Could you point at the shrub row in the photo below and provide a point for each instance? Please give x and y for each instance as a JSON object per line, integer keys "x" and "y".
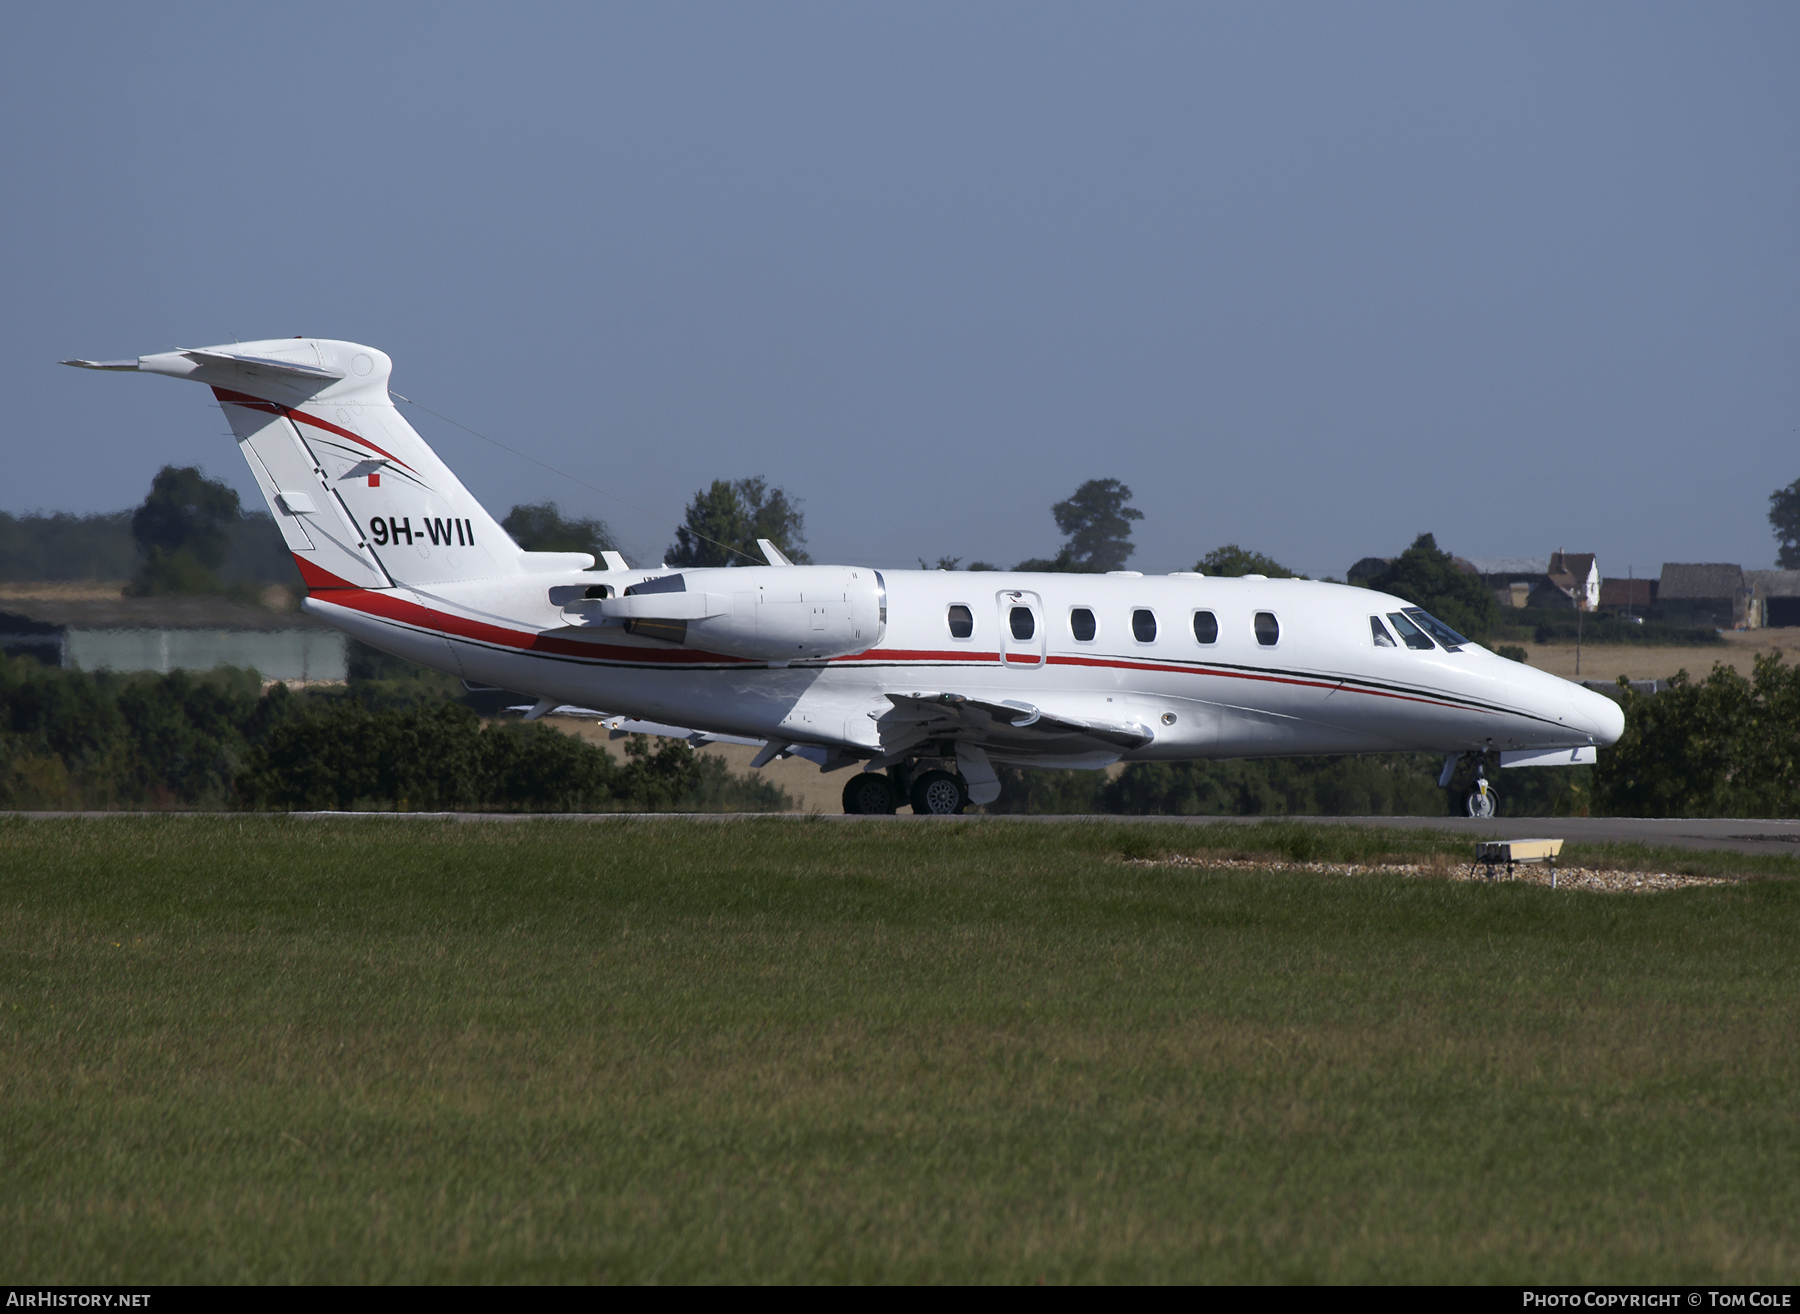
{"x": 74, "y": 740}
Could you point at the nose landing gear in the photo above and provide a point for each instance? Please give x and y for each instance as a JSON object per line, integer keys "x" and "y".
{"x": 1474, "y": 798}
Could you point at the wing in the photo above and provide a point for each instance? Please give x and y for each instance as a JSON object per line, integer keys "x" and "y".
{"x": 1006, "y": 729}
{"x": 619, "y": 726}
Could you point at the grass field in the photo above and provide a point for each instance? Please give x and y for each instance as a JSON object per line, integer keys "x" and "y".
{"x": 270, "y": 1051}
{"x": 1637, "y": 662}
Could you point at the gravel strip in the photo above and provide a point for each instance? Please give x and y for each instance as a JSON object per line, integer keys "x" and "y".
{"x": 1567, "y": 878}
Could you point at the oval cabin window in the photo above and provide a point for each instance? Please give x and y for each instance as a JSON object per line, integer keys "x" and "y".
{"x": 1024, "y": 625}
{"x": 1206, "y": 627}
{"x": 962, "y": 622}
{"x": 1081, "y": 624}
{"x": 1143, "y": 625}
{"x": 1268, "y": 629}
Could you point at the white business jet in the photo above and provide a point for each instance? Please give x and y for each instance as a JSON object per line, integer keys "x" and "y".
{"x": 924, "y": 679}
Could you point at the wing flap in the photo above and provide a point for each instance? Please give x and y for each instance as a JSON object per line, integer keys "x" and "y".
{"x": 1002, "y": 724}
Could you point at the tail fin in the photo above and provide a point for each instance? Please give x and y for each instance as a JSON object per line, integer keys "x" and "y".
{"x": 361, "y": 499}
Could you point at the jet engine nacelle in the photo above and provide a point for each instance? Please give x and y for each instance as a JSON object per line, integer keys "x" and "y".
{"x": 765, "y": 613}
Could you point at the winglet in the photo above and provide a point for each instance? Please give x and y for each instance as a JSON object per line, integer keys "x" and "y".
{"x": 772, "y": 554}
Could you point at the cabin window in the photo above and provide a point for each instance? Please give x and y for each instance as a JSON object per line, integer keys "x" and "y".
{"x": 1081, "y": 624}
{"x": 1411, "y": 635}
{"x": 1206, "y": 627}
{"x": 962, "y": 621}
{"x": 1436, "y": 628}
{"x": 1023, "y": 623}
{"x": 1143, "y": 625}
{"x": 1268, "y": 629}
{"x": 1379, "y": 633}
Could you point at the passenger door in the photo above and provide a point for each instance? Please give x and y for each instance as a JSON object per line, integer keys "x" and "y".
{"x": 1024, "y": 641}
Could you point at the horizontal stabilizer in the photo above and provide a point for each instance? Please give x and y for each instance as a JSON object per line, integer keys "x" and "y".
{"x": 214, "y": 356}
{"x": 262, "y": 364}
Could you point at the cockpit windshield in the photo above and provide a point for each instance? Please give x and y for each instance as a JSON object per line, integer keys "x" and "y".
{"x": 1452, "y": 641}
{"x": 1411, "y": 635}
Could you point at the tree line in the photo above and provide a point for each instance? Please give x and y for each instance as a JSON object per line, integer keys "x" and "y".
{"x": 1721, "y": 746}
{"x": 190, "y": 535}
{"x": 75, "y": 740}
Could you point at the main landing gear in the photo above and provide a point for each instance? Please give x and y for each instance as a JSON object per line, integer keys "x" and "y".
{"x": 870, "y": 795}
{"x": 931, "y": 793}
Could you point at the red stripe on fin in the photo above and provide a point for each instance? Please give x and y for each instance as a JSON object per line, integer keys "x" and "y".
{"x": 276, "y": 408}
{"x": 317, "y": 577}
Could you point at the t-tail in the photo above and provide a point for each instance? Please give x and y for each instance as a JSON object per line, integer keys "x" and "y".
{"x": 361, "y": 500}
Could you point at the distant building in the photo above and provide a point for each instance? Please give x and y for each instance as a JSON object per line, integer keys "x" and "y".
{"x": 169, "y": 634}
{"x": 1511, "y": 578}
{"x": 1575, "y": 575}
{"x": 1779, "y": 593}
{"x": 1708, "y": 593}
{"x": 1557, "y": 583}
{"x": 1627, "y": 597}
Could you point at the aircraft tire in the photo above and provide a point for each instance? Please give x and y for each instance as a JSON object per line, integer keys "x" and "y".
{"x": 1476, "y": 806}
{"x": 939, "y": 794}
{"x": 869, "y": 794}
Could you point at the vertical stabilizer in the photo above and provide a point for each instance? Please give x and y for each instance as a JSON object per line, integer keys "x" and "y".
{"x": 360, "y": 498}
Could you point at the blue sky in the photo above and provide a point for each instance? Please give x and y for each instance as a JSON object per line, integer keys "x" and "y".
{"x": 1310, "y": 278}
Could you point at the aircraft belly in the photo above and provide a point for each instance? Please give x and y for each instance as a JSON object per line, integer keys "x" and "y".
{"x": 425, "y": 647}
{"x": 1260, "y": 732}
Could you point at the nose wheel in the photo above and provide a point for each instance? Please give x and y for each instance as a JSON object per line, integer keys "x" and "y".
{"x": 1481, "y": 801}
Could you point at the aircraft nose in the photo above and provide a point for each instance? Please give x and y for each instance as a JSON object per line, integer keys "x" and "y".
{"x": 1599, "y": 715}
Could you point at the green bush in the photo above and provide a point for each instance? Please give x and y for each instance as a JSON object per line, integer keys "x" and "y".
{"x": 441, "y": 758}
{"x": 1379, "y": 785}
{"x": 70, "y": 739}
{"x": 1724, "y": 747}
{"x": 75, "y": 740}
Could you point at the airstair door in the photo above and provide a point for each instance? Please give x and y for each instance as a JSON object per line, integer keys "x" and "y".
{"x": 1024, "y": 639}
